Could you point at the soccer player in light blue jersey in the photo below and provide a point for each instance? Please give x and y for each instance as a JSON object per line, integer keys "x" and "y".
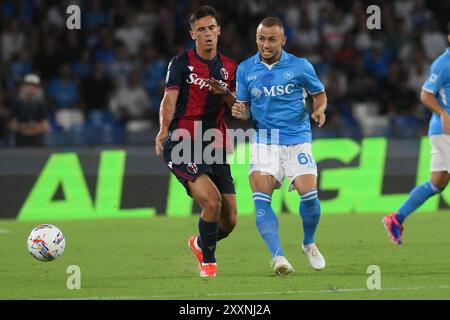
{"x": 435, "y": 96}
{"x": 271, "y": 87}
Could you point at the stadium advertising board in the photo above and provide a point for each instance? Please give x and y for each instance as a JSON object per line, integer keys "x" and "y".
{"x": 373, "y": 175}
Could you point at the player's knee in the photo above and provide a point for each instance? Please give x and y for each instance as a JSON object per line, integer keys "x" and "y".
{"x": 213, "y": 204}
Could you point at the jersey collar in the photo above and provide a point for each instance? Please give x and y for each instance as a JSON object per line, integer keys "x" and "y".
{"x": 282, "y": 58}
{"x": 204, "y": 60}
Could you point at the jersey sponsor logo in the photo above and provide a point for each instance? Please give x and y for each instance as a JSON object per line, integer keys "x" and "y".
{"x": 224, "y": 73}
{"x": 191, "y": 68}
{"x": 256, "y": 92}
{"x": 250, "y": 78}
{"x": 196, "y": 80}
{"x": 273, "y": 91}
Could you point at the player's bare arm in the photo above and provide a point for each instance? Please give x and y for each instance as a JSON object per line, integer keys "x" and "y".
{"x": 166, "y": 113}
{"x": 241, "y": 111}
{"x": 319, "y": 107}
{"x": 217, "y": 88}
{"x": 429, "y": 100}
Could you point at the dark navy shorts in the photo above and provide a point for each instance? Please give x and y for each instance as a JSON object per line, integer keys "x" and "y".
{"x": 220, "y": 173}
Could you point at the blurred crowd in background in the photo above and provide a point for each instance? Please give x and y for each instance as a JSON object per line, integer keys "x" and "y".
{"x": 103, "y": 84}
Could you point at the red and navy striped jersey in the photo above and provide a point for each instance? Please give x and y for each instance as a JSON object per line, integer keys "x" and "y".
{"x": 196, "y": 104}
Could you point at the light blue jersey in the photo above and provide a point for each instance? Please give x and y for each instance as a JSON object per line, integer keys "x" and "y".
{"x": 438, "y": 83}
{"x": 276, "y": 96}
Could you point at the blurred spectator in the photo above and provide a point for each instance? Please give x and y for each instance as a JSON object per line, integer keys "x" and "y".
{"x": 433, "y": 41}
{"x": 12, "y": 40}
{"x": 82, "y": 67}
{"x": 121, "y": 66}
{"x": 96, "y": 89}
{"x": 400, "y": 40}
{"x": 94, "y": 17}
{"x": 406, "y": 124}
{"x": 131, "y": 35}
{"x": 417, "y": 70}
{"x": 28, "y": 114}
{"x": 56, "y": 15}
{"x": 420, "y": 15}
{"x": 153, "y": 74}
{"x": 147, "y": 19}
{"x": 19, "y": 66}
{"x": 48, "y": 60}
{"x": 308, "y": 37}
{"x": 72, "y": 47}
{"x": 105, "y": 49}
{"x": 131, "y": 103}
{"x": 63, "y": 90}
{"x": 377, "y": 60}
{"x": 336, "y": 28}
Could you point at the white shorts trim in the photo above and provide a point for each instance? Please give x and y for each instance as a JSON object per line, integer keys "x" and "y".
{"x": 440, "y": 153}
{"x": 282, "y": 161}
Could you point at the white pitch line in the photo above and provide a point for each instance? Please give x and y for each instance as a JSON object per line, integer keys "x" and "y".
{"x": 218, "y": 294}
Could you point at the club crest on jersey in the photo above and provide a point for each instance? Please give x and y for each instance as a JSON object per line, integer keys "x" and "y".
{"x": 192, "y": 168}
{"x": 288, "y": 75}
{"x": 224, "y": 73}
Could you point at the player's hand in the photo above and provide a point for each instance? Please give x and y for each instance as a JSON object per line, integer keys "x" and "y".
{"x": 319, "y": 117}
{"x": 216, "y": 87}
{"x": 240, "y": 111}
{"x": 159, "y": 141}
{"x": 445, "y": 119}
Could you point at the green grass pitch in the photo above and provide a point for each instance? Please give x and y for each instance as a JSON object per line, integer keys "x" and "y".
{"x": 149, "y": 259}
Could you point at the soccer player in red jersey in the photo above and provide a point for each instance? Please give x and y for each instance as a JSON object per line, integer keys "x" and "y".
{"x": 200, "y": 85}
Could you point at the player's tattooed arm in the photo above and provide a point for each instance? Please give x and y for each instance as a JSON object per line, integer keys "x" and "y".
{"x": 430, "y": 101}
{"x": 217, "y": 88}
{"x": 319, "y": 107}
{"x": 166, "y": 113}
{"x": 241, "y": 111}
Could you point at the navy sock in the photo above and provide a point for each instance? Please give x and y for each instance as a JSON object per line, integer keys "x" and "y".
{"x": 415, "y": 199}
{"x": 208, "y": 234}
{"x": 267, "y": 223}
{"x": 220, "y": 235}
{"x": 310, "y": 213}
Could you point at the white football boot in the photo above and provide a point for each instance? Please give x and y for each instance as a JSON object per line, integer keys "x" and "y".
{"x": 314, "y": 256}
{"x": 281, "y": 266}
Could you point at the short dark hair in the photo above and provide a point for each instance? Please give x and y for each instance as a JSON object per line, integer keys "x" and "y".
{"x": 202, "y": 12}
{"x": 448, "y": 28}
{"x": 272, "y": 21}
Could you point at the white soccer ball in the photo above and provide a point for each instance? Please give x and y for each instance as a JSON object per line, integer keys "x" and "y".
{"x": 46, "y": 242}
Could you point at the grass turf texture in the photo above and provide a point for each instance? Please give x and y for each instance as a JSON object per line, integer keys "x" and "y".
{"x": 149, "y": 259}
